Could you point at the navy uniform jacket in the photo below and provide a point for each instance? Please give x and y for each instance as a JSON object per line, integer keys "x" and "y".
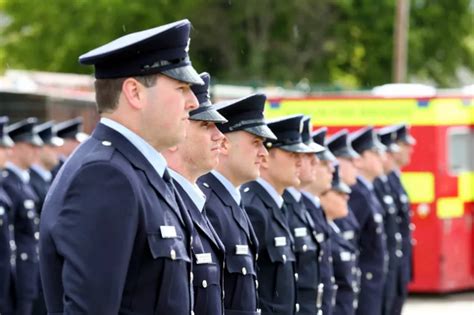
{"x": 208, "y": 259}
{"x": 114, "y": 239}
{"x": 394, "y": 242}
{"x": 6, "y": 272}
{"x": 373, "y": 257}
{"x": 345, "y": 272}
{"x": 325, "y": 258}
{"x": 275, "y": 265}
{"x": 25, "y": 222}
{"x": 350, "y": 228}
{"x": 307, "y": 254}
{"x": 236, "y": 232}
{"x": 404, "y": 221}
{"x": 40, "y": 186}
{"x": 405, "y": 273}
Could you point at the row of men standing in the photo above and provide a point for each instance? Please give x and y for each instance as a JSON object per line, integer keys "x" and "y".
{"x": 30, "y": 155}
{"x": 175, "y": 205}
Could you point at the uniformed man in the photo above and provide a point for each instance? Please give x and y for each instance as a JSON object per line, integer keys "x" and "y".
{"x": 115, "y": 238}
{"x": 195, "y": 156}
{"x": 46, "y": 160}
{"x": 7, "y": 240}
{"x": 311, "y": 197}
{"x": 40, "y": 179}
{"x": 24, "y": 211}
{"x": 70, "y": 131}
{"x": 334, "y": 203}
{"x": 303, "y": 227}
{"x": 340, "y": 146}
{"x": 402, "y": 158}
{"x": 348, "y": 226}
{"x": 242, "y": 151}
{"x": 394, "y": 238}
{"x": 373, "y": 259}
{"x": 263, "y": 203}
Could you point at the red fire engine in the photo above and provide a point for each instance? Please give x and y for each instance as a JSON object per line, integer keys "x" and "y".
{"x": 439, "y": 180}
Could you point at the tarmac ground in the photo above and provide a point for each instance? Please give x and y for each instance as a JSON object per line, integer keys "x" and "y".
{"x": 461, "y": 303}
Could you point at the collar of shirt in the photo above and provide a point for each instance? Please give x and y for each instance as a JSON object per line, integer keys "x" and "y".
{"x": 384, "y": 178}
{"x": 23, "y": 174}
{"x": 233, "y": 191}
{"x": 334, "y": 226}
{"x": 193, "y": 191}
{"x": 366, "y": 183}
{"x": 313, "y": 198}
{"x": 154, "y": 157}
{"x": 295, "y": 193}
{"x": 44, "y": 173}
{"x": 273, "y": 193}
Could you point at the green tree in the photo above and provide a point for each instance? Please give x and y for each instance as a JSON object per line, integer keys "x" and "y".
{"x": 346, "y": 42}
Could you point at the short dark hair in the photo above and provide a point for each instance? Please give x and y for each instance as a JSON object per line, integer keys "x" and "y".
{"x": 107, "y": 91}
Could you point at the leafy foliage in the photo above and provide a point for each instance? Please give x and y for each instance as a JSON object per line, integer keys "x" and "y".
{"x": 338, "y": 42}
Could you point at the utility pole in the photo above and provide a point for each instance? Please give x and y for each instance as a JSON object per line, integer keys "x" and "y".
{"x": 400, "y": 41}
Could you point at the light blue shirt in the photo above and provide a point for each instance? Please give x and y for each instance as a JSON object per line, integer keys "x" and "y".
{"x": 271, "y": 191}
{"x": 233, "y": 191}
{"x": 313, "y": 198}
{"x": 334, "y": 226}
{"x": 23, "y": 174}
{"x": 44, "y": 173}
{"x": 193, "y": 191}
{"x": 295, "y": 193}
{"x": 384, "y": 178}
{"x": 154, "y": 157}
{"x": 367, "y": 183}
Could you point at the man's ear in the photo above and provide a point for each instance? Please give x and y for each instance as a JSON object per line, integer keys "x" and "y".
{"x": 225, "y": 146}
{"x": 133, "y": 92}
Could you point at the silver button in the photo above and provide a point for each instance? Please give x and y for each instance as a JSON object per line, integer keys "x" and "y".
{"x": 412, "y": 227}
{"x": 305, "y": 248}
{"x": 30, "y": 214}
{"x": 37, "y": 235}
{"x": 11, "y": 227}
{"x": 2, "y": 210}
{"x": 204, "y": 283}
{"x": 28, "y": 204}
{"x": 106, "y": 143}
{"x": 296, "y": 276}
{"x": 256, "y": 284}
{"x": 205, "y": 185}
{"x": 256, "y": 257}
{"x": 36, "y": 220}
{"x": 297, "y": 307}
{"x": 23, "y": 256}
{"x": 330, "y": 259}
{"x": 284, "y": 258}
{"x": 399, "y": 253}
{"x": 378, "y": 230}
{"x": 369, "y": 276}
{"x": 244, "y": 271}
{"x": 12, "y": 245}
{"x": 191, "y": 276}
{"x": 173, "y": 254}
